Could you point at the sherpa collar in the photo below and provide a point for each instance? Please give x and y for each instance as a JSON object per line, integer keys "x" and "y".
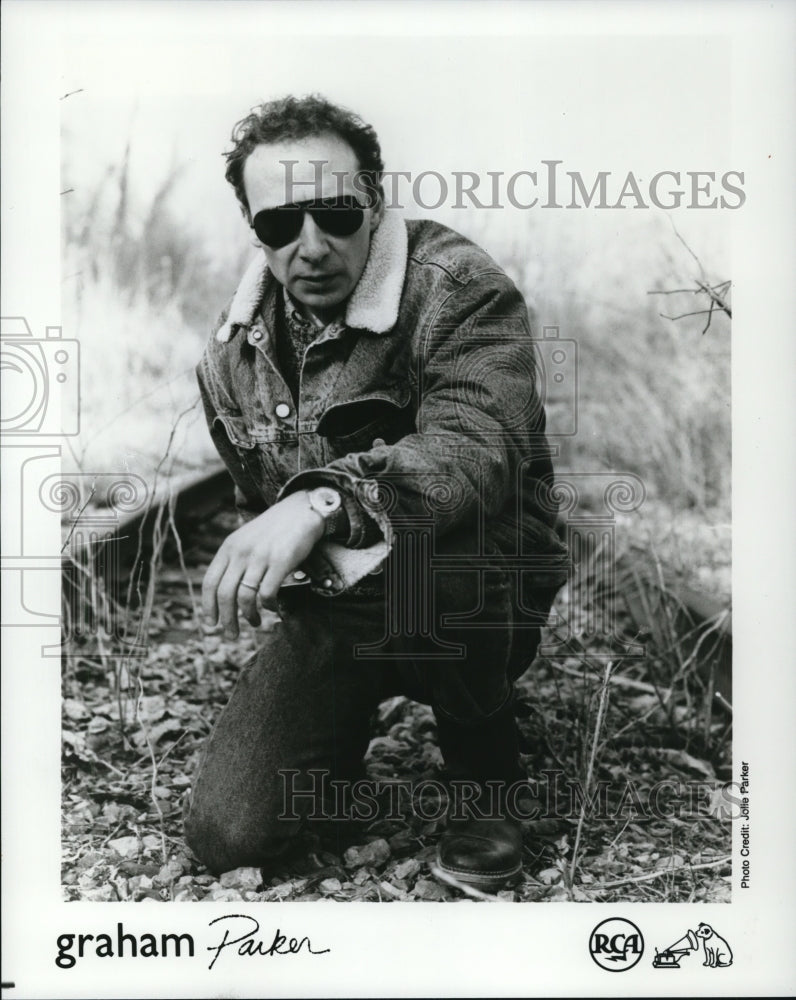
{"x": 374, "y": 302}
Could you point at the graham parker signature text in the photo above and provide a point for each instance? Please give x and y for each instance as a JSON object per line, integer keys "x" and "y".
{"x": 234, "y": 933}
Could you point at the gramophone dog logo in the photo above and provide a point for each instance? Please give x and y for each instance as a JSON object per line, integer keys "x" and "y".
{"x": 616, "y": 944}
{"x": 717, "y": 952}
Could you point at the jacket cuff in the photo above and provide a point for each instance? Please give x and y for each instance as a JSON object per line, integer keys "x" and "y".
{"x": 367, "y": 522}
{"x": 333, "y": 567}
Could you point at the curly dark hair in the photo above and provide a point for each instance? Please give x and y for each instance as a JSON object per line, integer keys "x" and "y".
{"x": 300, "y": 118}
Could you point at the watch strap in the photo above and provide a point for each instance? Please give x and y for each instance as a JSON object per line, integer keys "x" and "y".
{"x": 337, "y": 525}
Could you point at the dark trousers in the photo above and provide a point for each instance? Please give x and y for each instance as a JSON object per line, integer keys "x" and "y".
{"x": 304, "y": 703}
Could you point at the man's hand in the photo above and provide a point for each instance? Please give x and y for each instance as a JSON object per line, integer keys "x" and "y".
{"x": 255, "y": 559}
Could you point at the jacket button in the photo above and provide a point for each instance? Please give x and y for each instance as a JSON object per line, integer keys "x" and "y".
{"x": 257, "y": 335}
{"x": 282, "y": 410}
{"x": 327, "y": 584}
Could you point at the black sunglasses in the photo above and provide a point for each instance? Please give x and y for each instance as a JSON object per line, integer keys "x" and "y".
{"x": 276, "y": 227}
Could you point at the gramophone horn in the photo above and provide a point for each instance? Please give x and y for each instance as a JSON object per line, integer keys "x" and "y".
{"x": 688, "y": 942}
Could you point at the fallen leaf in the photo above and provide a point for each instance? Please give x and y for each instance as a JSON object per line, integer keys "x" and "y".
{"x": 223, "y": 896}
{"x": 242, "y": 878}
{"x": 374, "y": 853}
{"x": 391, "y": 710}
{"x": 75, "y": 710}
{"x": 392, "y": 891}
{"x": 278, "y": 892}
{"x": 103, "y": 894}
{"x": 406, "y": 869}
{"x": 126, "y": 847}
{"x": 673, "y": 861}
{"x": 169, "y": 872}
{"x": 151, "y": 708}
{"x": 430, "y": 891}
{"x": 549, "y": 876}
{"x": 155, "y": 733}
{"x": 186, "y": 895}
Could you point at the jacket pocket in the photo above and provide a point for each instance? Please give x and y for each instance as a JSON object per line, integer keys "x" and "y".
{"x": 232, "y": 436}
{"x": 234, "y": 426}
{"x": 362, "y": 424}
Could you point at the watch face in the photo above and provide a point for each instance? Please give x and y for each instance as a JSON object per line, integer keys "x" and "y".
{"x": 325, "y": 500}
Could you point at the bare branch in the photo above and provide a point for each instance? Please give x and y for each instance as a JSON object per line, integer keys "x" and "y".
{"x": 598, "y": 887}
{"x": 688, "y": 248}
{"x": 715, "y": 297}
{"x": 77, "y": 518}
{"x": 692, "y": 291}
{"x": 706, "y": 327}
{"x": 590, "y": 770}
{"x": 699, "y": 312}
{"x": 716, "y": 293}
{"x": 468, "y": 890}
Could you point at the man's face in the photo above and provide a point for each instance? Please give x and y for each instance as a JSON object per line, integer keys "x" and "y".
{"x": 319, "y": 270}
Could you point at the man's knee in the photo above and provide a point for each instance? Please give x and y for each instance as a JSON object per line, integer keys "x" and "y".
{"x": 223, "y": 838}
{"x": 227, "y": 831}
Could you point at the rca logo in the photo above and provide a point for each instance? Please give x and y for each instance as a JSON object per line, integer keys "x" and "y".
{"x": 616, "y": 944}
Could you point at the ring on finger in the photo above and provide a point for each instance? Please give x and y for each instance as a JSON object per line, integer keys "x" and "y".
{"x": 249, "y": 586}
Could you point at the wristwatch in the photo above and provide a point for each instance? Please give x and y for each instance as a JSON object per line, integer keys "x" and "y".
{"x": 329, "y": 504}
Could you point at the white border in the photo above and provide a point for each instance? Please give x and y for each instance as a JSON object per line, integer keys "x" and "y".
{"x": 426, "y": 949}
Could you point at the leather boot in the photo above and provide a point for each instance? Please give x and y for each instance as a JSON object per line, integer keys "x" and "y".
{"x": 482, "y": 845}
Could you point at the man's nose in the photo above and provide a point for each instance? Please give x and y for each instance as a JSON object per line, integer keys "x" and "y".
{"x": 312, "y": 240}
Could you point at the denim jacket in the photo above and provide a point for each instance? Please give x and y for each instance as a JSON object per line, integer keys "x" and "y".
{"x": 421, "y": 404}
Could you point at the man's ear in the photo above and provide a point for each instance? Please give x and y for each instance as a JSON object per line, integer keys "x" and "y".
{"x": 376, "y": 209}
{"x": 247, "y": 218}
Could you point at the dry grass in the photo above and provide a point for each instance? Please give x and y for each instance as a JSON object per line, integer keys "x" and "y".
{"x": 654, "y": 394}
{"x": 140, "y": 295}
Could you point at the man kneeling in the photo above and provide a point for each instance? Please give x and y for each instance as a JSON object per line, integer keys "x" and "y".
{"x": 371, "y": 388}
